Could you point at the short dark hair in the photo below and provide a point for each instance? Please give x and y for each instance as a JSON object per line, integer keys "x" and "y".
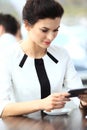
{"x": 1, "y": 18}
{"x": 41, "y": 9}
{"x": 10, "y": 23}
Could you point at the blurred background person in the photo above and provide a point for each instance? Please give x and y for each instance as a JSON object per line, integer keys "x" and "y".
{"x": 10, "y": 31}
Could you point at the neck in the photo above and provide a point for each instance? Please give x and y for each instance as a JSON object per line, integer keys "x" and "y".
{"x": 33, "y": 51}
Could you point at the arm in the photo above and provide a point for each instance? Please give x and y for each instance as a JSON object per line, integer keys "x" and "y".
{"x": 53, "y": 101}
{"x": 72, "y": 78}
{"x": 73, "y": 81}
{"x": 20, "y": 108}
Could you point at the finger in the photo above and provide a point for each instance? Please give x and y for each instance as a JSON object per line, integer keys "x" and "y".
{"x": 59, "y": 106}
{"x": 59, "y": 103}
{"x": 64, "y": 94}
{"x": 83, "y": 96}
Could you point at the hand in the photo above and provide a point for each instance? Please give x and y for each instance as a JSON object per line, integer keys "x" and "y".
{"x": 55, "y": 101}
{"x": 83, "y": 99}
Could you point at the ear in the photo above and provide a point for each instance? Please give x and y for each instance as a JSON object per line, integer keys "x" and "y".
{"x": 27, "y": 25}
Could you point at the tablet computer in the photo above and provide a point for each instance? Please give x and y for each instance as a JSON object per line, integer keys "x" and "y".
{"x": 77, "y": 92}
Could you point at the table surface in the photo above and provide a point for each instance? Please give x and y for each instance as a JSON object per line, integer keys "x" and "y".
{"x": 74, "y": 121}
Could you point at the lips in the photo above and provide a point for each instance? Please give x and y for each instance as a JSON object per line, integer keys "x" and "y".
{"x": 47, "y": 43}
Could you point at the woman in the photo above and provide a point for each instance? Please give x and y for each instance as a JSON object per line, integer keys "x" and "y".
{"x": 34, "y": 73}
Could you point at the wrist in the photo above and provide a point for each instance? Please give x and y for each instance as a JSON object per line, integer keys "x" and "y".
{"x": 40, "y": 104}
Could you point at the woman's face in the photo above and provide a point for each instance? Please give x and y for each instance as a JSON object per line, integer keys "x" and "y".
{"x": 44, "y": 31}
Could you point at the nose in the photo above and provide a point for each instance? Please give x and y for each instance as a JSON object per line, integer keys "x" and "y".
{"x": 51, "y": 36}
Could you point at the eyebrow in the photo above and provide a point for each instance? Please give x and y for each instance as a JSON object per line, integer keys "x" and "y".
{"x": 48, "y": 28}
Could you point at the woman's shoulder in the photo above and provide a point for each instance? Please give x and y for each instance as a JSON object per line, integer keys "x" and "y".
{"x": 58, "y": 50}
{"x": 12, "y": 57}
{"x": 12, "y": 53}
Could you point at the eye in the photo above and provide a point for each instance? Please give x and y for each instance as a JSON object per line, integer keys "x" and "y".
{"x": 56, "y": 30}
{"x": 44, "y": 30}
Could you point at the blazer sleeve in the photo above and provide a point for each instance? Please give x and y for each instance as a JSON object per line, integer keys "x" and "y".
{"x": 6, "y": 91}
{"x": 72, "y": 79}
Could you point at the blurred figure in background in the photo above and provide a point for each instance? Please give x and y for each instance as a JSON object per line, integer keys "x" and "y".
{"x": 10, "y": 31}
